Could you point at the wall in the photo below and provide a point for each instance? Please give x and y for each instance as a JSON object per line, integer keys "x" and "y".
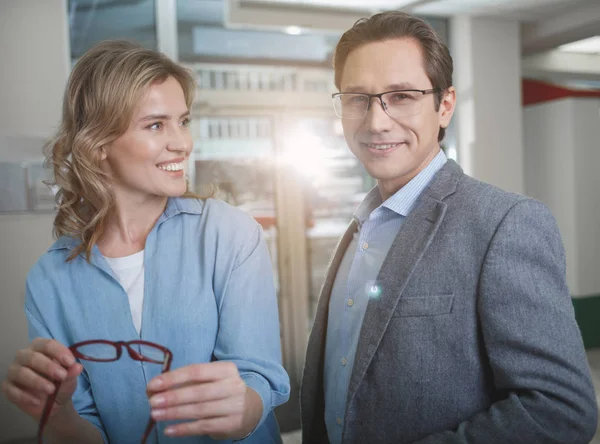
{"x": 34, "y": 51}
{"x": 586, "y": 131}
{"x": 487, "y": 67}
{"x": 562, "y": 140}
{"x": 23, "y": 239}
{"x": 550, "y": 171}
{"x": 34, "y": 36}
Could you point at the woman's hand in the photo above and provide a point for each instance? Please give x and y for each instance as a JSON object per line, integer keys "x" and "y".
{"x": 213, "y": 396}
{"x": 34, "y": 371}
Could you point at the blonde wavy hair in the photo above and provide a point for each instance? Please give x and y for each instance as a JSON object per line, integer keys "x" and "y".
{"x": 103, "y": 90}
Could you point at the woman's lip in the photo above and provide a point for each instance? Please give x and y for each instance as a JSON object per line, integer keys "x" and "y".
{"x": 167, "y": 162}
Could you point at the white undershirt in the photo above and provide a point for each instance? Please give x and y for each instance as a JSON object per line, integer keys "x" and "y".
{"x": 130, "y": 273}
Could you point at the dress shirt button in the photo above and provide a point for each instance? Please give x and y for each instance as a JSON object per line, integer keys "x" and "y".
{"x": 339, "y": 421}
{"x": 344, "y": 361}
{"x": 350, "y": 302}
{"x": 365, "y": 245}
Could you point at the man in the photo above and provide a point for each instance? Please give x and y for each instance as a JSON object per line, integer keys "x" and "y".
{"x": 445, "y": 316}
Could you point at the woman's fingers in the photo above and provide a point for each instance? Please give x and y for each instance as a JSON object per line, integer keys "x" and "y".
{"x": 201, "y": 410}
{"x": 54, "y": 350}
{"x": 29, "y": 380}
{"x": 19, "y": 396}
{"x": 195, "y": 373}
{"x": 217, "y": 428}
{"x": 35, "y": 373}
{"x": 212, "y": 397}
{"x": 210, "y": 391}
{"x": 41, "y": 363}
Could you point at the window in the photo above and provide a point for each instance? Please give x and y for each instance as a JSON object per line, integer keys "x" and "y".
{"x": 91, "y": 21}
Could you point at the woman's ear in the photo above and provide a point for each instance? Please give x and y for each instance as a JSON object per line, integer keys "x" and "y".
{"x": 103, "y": 152}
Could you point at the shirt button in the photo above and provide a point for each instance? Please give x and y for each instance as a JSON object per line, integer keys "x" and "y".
{"x": 365, "y": 245}
{"x": 350, "y": 302}
{"x": 339, "y": 421}
{"x": 344, "y": 361}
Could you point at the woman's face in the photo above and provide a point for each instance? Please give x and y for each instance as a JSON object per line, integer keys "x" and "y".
{"x": 150, "y": 158}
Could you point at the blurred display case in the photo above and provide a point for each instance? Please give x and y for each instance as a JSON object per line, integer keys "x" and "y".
{"x": 22, "y": 176}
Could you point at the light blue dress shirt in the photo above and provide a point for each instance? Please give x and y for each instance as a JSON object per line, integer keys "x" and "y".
{"x": 355, "y": 284}
{"x": 208, "y": 295}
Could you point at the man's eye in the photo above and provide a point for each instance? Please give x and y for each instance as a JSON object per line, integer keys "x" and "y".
{"x": 358, "y": 99}
{"x": 155, "y": 126}
{"x": 353, "y": 100}
{"x": 401, "y": 97}
{"x": 185, "y": 122}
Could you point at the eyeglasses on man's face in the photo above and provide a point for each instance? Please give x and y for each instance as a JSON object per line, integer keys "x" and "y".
{"x": 397, "y": 103}
{"x": 100, "y": 350}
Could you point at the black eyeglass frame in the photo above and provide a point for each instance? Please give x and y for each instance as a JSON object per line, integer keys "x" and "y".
{"x": 380, "y": 97}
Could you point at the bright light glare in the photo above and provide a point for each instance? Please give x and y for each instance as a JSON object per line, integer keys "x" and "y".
{"x": 293, "y": 30}
{"x": 306, "y": 154}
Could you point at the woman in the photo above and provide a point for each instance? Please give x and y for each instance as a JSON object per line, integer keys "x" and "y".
{"x": 138, "y": 257}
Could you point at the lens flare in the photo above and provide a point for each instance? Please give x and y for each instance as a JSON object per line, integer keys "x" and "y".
{"x": 373, "y": 290}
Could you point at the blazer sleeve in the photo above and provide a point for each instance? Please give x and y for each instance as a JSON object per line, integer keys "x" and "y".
{"x": 532, "y": 340}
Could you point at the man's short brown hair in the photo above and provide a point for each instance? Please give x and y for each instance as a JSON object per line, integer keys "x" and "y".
{"x": 394, "y": 25}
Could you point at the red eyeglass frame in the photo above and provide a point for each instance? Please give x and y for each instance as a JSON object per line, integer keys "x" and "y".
{"x": 166, "y": 365}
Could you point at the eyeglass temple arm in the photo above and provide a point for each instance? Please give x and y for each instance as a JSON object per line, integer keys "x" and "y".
{"x": 149, "y": 427}
{"x": 151, "y": 421}
{"x": 46, "y": 412}
{"x": 167, "y": 364}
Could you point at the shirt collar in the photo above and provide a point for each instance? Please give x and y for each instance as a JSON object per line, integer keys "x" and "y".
{"x": 403, "y": 201}
{"x": 371, "y": 201}
{"x": 178, "y": 205}
{"x": 174, "y": 207}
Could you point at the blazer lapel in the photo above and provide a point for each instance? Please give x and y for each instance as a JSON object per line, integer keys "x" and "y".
{"x": 408, "y": 247}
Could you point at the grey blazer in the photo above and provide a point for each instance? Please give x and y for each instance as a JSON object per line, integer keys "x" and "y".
{"x": 473, "y": 339}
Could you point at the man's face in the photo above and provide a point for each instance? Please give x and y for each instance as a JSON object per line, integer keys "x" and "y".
{"x": 393, "y": 150}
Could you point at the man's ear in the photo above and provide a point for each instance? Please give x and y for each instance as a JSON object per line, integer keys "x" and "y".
{"x": 447, "y": 107}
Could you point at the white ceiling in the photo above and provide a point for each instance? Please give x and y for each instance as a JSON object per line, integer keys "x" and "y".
{"x": 590, "y": 45}
{"x": 547, "y": 23}
{"x": 524, "y": 10}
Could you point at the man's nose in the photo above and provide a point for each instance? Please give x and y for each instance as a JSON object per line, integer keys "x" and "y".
{"x": 377, "y": 120}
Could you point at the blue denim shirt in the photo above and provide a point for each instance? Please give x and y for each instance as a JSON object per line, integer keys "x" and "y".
{"x": 208, "y": 295}
{"x": 355, "y": 284}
